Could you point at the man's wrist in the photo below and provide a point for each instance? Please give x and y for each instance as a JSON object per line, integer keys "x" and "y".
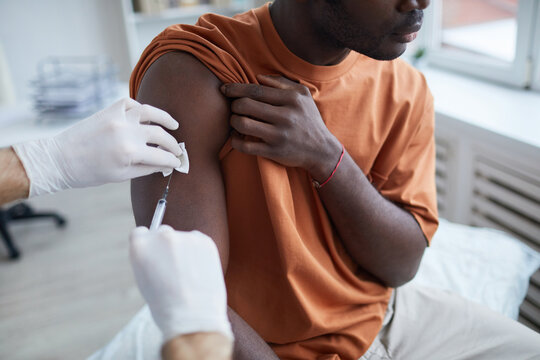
{"x": 202, "y": 346}
{"x": 326, "y": 160}
{"x": 13, "y": 178}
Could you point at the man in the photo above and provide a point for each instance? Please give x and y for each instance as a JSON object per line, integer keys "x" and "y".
{"x": 316, "y": 183}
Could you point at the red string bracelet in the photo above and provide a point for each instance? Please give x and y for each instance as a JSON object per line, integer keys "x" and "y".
{"x": 317, "y": 184}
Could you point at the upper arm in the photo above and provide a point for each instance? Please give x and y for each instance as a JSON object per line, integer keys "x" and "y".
{"x": 411, "y": 184}
{"x": 179, "y": 84}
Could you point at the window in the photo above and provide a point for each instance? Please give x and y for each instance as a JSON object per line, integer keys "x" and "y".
{"x": 536, "y": 52}
{"x": 492, "y": 39}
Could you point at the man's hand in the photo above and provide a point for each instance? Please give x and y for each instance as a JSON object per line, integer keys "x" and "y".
{"x": 283, "y": 124}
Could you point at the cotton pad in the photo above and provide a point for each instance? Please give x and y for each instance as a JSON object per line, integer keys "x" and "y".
{"x": 184, "y": 160}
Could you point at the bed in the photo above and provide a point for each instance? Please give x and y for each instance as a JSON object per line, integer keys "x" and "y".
{"x": 484, "y": 265}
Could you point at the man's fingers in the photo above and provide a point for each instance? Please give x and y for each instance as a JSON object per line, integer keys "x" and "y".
{"x": 256, "y": 109}
{"x": 248, "y": 126}
{"x": 155, "y": 157}
{"x": 257, "y": 92}
{"x": 157, "y": 136}
{"x": 280, "y": 82}
{"x": 250, "y": 147}
{"x": 150, "y": 114}
{"x": 273, "y": 90}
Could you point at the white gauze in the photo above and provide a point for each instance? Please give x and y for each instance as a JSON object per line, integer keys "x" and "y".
{"x": 184, "y": 160}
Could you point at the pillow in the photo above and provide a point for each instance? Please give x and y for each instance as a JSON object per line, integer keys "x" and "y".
{"x": 483, "y": 265}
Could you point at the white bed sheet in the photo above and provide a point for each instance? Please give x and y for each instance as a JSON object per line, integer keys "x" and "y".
{"x": 483, "y": 265}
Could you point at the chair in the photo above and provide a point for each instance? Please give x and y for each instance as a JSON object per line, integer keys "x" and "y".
{"x": 20, "y": 212}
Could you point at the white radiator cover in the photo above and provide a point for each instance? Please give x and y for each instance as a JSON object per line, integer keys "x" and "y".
{"x": 485, "y": 179}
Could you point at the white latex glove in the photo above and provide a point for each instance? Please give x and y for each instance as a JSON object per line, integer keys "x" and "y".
{"x": 109, "y": 146}
{"x": 179, "y": 274}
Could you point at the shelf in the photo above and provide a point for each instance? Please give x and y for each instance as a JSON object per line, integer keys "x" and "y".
{"x": 141, "y": 28}
{"x": 186, "y": 12}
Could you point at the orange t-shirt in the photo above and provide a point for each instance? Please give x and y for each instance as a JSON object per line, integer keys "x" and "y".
{"x": 289, "y": 276}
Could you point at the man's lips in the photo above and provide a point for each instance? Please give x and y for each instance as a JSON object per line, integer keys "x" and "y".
{"x": 404, "y": 38}
{"x": 405, "y": 35}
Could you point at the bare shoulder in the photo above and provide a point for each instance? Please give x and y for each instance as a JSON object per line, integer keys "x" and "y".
{"x": 181, "y": 85}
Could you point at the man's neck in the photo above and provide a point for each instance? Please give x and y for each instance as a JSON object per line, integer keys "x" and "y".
{"x": 300, "y": 35}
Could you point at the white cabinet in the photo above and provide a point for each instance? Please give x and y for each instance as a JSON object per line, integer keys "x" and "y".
{"x": 141, "y": 28}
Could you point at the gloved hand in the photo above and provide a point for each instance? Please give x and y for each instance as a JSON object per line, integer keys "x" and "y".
{"x": 179, "y": 274}
{"x": 109, "y": 146}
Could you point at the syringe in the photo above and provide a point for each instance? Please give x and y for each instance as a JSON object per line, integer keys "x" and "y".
{"x": 160, "y": 208}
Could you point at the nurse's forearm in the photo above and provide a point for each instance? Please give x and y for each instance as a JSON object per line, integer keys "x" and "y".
{"x": 14, "y": 183}
{"x": 202, "y": 346}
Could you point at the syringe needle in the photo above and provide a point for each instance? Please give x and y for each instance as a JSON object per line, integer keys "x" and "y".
{"x": 167, "y": 188}
{"x": 160, "y": 208}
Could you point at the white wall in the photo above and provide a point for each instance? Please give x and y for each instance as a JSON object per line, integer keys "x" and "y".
{"x": 31, "y": 30}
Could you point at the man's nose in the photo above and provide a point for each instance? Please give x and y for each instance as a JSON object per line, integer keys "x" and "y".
{"x": 410, "y": 5}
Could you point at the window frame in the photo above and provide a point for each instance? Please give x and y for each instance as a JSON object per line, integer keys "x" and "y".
{"x": 518, "y": 73}
{"x": 535, "y": 85}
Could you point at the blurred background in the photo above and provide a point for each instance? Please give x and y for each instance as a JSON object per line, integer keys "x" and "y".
{"x": 71, "y": 289}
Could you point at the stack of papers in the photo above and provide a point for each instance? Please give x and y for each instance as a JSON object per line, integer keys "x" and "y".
{"x": 72, "y": 87}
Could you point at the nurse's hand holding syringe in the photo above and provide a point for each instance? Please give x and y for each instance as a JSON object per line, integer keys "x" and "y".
{"x": 179, "y": 274}
{"x": 113, "y": 145}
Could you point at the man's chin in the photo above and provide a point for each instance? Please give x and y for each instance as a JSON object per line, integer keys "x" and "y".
{"x": 386, "y": 53}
